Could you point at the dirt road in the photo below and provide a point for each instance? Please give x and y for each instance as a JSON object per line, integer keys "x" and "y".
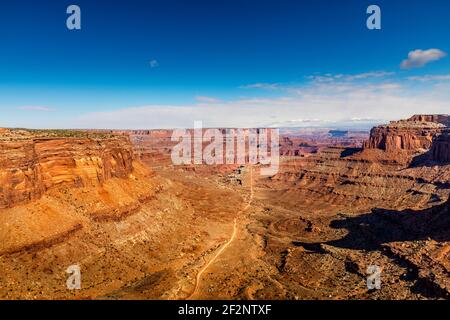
{"x": 222, "y": 249}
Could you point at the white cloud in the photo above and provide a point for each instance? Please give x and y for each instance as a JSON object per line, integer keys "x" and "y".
{"x": 357, "y": 100}
{"x": 206, "y": 99}
{"x": 341, "y": 80}
{"x": 430, "y": 77}
{"x": 419, "y": 58}
{"x": 350, "y": 77}
{"x": 34, "y": 108}
{"x": 336, "y": 104}
{"x": 264, "y": 86}
{"x": 356, "y": 119}
{"x": 153, "y": 63}
{"x": 298, "y": 123}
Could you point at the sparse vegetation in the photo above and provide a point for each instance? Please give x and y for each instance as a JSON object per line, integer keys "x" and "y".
{"x": 22, "y": 133}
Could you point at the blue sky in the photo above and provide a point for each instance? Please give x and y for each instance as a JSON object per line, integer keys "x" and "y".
{"x": 152, "y": 64}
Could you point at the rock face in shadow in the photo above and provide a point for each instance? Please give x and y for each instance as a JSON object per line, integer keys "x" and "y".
{"x": 440, "y": 151}
{"x": 30, "y": 166}
{"x": 438, "y": 154}
{"x": 388, "y": 226}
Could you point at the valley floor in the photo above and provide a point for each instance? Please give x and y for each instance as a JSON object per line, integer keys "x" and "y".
{"x": 204, "y": 236}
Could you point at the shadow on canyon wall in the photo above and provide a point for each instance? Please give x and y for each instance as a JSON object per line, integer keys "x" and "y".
{"x": 349, "y": 152}
{"x": 439, "y": 153}
{"x": 370, "y": 231}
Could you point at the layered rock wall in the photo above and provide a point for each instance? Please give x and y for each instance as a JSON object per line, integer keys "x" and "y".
{"x": 29, "y": 167}
{"x": 391, "y": 138}
{"x": 415, "y": 134}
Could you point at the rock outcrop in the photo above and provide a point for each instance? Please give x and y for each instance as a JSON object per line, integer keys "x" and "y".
{"x": 438, "y": 118}
{"x": 404, "y": 139}
{"x": 30, "y": 166}
{"x": 403, "y": 135}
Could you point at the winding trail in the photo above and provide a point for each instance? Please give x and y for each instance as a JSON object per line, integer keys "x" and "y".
{"x": 233, "y": 236}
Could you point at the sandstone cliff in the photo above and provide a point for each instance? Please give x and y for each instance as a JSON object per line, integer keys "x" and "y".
{"x": 30, "y": 166}
{"x": 411, "y": 136}
{"x": 414, "y": 135}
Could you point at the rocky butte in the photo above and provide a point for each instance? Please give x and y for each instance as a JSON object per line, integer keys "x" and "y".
{"x": 413, "y": 135}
